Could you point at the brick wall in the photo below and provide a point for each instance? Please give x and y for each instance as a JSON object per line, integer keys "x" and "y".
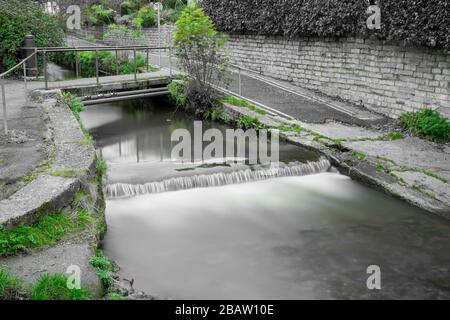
{"x": 386, "y": 78}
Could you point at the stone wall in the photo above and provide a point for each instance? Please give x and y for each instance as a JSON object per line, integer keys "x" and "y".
{"x": 150, "y": 37}
{"x": 386, "y": 78}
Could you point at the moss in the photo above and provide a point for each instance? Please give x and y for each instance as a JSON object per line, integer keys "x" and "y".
{"x": 359, "y": 155}
{"x": 381, "y": 167}
{"x": 394, "y": 136}
{"x": 66, "y": 173}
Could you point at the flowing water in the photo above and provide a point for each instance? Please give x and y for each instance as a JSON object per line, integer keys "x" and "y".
{"x": 305, "y": 232}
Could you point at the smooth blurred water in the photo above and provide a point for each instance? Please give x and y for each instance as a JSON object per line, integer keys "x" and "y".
{"x": 286, "y": 238}
{"x": 289, "y": 238}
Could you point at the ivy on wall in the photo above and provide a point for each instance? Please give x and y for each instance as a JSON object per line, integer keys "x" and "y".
{"x": 413, "y": 22}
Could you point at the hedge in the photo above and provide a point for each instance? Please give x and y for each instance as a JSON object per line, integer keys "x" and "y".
{"x": 411, "y": 22}
{"x": 19, "y": 18}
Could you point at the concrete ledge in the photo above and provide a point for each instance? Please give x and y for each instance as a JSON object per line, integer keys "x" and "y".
{"x": 364, "y": 171}
{"x": 72, "y": 162}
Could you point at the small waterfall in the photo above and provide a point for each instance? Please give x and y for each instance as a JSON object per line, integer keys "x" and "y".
{"x": 124, "y": 190}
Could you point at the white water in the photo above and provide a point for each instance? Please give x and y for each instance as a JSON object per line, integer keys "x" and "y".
{"x": 118, "y": 190}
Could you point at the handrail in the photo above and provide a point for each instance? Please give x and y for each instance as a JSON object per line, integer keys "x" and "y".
{"x": 104, "y": 48}
{"x": 17, "y": 65}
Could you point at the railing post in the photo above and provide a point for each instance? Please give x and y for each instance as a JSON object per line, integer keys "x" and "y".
{"x": 45, "y": 70}
{"x": 117, "y": 62}
{"x": 170, "y": 62}
{"x": 77, "y": 64}
{"x": 25, "y": 76}
{"x": 148, "y": 62}
{"x": 135, "y": 64}
{"x": 36, "y": 63}
{"x": 5, "y": 120}
{"x": 240, "y": 82}
{"x": 96, "y": 68}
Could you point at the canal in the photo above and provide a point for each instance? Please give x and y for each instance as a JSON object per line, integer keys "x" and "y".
{"x": 220, "y": 231}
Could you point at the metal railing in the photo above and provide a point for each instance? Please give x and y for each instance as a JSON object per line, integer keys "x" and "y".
{"x": 2, "y": 84}
{"x": 46, "y": 51}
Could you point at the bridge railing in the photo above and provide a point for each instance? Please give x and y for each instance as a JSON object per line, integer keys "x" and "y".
{"x": 44, "y": 52}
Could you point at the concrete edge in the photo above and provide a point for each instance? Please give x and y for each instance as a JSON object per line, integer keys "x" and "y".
{"x": 361, "y": 172}
{"x": 48, "y": 194}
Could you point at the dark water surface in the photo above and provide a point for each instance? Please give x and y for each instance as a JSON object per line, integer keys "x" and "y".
{"x": 288, "y": 238}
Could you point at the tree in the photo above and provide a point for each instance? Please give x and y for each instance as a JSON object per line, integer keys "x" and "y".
{"x": 200, "y": 52}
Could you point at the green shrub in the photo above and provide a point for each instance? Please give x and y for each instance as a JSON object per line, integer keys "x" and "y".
{"x": 98, "y": 15}
{"x": 428, "y": 124}
{"x": 198, "y": 49}
{"x": 19, "y": 18}
{"x": 147, "y": 17}
{"x": 54, "y": 287}
{"x": 176, "y": 90}
{"x": 420, "y": 22}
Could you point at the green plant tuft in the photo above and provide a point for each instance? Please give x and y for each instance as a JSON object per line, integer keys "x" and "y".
{"x": 242, "y": 103}
{"x": 54, "y": 287}
{"x": 247, "y": 122}
{"x": 428, "y": 124}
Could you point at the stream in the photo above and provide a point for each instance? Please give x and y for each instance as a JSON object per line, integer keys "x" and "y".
{"x": 220, "y": 231}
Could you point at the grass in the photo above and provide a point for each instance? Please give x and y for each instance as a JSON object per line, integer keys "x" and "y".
{"x": 10, "y": 287}
{"x": 103, "y": 267}
{"x": 293, "y": 128}
{"x": 47, "y": 231}
{"x": 428, "y": 124}
{"x": 246, "y": 122}
{"x": 242, "y": 103}
{"x": 102, "y": 167}
{"x": 217, "y": 114}
{"x": 75, "y": 104}
{"x": 54, "y": 287}
{"x": 429, "y": 173}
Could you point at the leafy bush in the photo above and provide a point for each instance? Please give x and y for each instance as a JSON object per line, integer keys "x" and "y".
{"x": 427, "y": 123}
{"x": 420, "y": 22}
{"x": 19, "y": 18}
{"x": 198, "y": 49}
{"x": 146, "y": 17}
{"x": 54, "y": 287}
{"x": 98, "y": 15}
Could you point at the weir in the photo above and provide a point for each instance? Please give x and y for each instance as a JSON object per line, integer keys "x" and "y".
{"x": 119, "y": 190}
